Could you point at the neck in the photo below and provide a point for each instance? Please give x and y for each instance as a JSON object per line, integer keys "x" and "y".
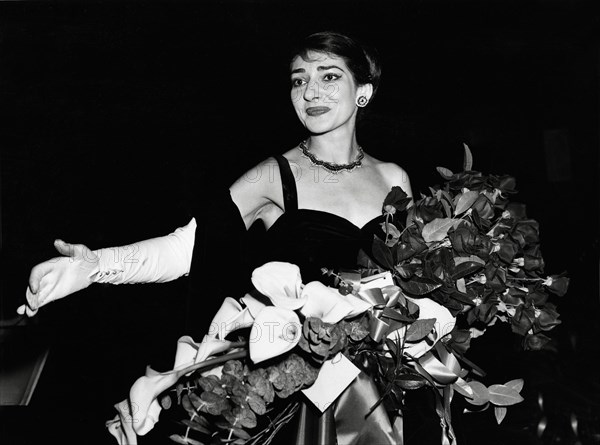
{"x": 336, "y": 148}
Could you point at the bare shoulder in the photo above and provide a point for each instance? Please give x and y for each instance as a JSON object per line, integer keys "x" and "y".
{"x": 258, "y": 190}
{"x": 254, "y": 190}
{"x": 394, "y": 174}
{"x": 257, "y": 178}
{"x": 294, "y": 156}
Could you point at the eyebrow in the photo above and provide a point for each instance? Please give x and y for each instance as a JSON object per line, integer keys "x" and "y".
{"x": 319, "y": 68}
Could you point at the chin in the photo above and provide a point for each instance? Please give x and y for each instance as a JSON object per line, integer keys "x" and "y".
{"x": 317, "y": 131}
{"x": 317, "y": 128}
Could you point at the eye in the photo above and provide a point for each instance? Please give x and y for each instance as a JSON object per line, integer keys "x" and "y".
{"x": 330, "y": 77}
{"x": 298, "y": 82}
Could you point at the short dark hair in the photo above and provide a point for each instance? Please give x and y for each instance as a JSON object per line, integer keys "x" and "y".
{"x": 360, "y": 59}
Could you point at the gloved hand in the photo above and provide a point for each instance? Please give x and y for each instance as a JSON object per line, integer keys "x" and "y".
{"x": 155, "y": 260}
{"x": 61, "y": 276}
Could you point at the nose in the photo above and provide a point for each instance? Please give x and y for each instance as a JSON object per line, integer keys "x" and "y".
{"x": 311, "y": 93}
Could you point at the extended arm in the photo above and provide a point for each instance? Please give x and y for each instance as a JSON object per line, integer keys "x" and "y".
{"x": 155, "y": 260}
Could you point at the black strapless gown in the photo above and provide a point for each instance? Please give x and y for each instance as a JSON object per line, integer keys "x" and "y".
{"x": 313, "y": 239}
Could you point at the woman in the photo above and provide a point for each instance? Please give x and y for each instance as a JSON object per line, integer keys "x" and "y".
{"x": 319, "y": 208}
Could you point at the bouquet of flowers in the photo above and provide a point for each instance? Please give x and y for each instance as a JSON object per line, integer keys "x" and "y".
{"x": 444, "y": 269}
{"x": 468, "y": 248}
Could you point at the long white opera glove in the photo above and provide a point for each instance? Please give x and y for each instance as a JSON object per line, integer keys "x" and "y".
{"x": 155, "y": 260}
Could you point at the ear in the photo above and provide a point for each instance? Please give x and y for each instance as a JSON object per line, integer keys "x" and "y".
{"x": 365, "y": 90}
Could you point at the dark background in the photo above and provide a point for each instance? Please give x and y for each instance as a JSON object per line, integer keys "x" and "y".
{"x": 120, "y": 118}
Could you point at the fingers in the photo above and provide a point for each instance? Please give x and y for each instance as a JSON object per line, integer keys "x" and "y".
{"x": 32, "y": 299}
{"x": 37, "y": 273}
{"x": 73, "y": 250}
{"x": 45, "y": 289}
{"x": 29, "y": 308}
{"x": 63, "y": 248}
{"x": 24, "y": 309}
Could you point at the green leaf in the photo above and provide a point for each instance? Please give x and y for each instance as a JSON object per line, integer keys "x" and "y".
{"x": 516, "y": 384}
{"x": 419, "y": 286}
{"x": 240, "y": 417}
{"x": 209, "y": 402}
{"x": 481, "y": 395}
{"x": 448, "y": 197}
{"x": 462, "y": 297}
{"x": 465, "y": 201}
{"x": 437, "y": 229}
{"x": 256, "y": 403}
{"x": 466, "y": 268}
{"x": 461, "y": 259}
{"x": 406, "y": 271}
{"x": 461, "y": 285}
{"x": 192, "y": 424}
{"x": 187, "y": 404}
{"x": 320, "y": 349}
{"x": 242, "y": 434}
{"x": 224, "y": 425}
{"x": 502, "y": 395}
{"x": 382, "y": 253}
{"x": 500, "y": 413}
{"x": 177, "y": 438}
{"x": 444, "y": 172}
{"x": 419, "y": 329}
{"x": 165, "y": 401}
{"x": 468, "y": 162}
{"x": 413, "y": 308}
{"x": 480, "y": 223}
{"x": 410, "y": 217}
{"x": 447, "y": 208}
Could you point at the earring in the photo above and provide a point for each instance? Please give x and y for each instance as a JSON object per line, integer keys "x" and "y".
{"x": 362, "y": 101}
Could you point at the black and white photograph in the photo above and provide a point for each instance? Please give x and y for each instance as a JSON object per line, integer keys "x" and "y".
{"x": 253, "y": 222}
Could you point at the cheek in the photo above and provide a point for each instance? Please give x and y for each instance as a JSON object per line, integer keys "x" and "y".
{"x": 333, "y": 93}
{"x": 296, "y": 96}
{"x": 297, "y": 104}
{"x": 350, "y": 97}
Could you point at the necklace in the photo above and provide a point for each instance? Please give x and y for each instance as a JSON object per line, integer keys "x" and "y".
{"x": 330, "y": 166}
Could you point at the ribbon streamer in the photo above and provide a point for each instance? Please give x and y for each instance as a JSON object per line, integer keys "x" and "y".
{"x": 346, "y": 422}
{"x": 443, "y": 372}
{"x": 354, "y": 427}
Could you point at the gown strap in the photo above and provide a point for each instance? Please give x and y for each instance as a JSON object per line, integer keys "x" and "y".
{"x": 288, "y": 183}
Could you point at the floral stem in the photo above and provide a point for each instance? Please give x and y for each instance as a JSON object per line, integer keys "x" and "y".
{"x": 476, "y": 369}
{"x": 406, "y": 228}
{"x": 275, "y": 425}
{"x": 215, "y": 361}
{"x": 387, "y": 227}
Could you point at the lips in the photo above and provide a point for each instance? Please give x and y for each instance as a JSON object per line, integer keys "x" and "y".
{"x": 317, "y": 111}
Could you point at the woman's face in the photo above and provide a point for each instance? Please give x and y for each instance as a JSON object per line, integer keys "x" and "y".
{"x": 323, "y": 92}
